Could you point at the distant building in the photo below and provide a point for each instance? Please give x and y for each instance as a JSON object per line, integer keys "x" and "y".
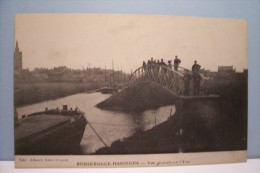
{"x": 226, "y": 69}
{"x": 18, "y": 58}
{"x": 226, "y": 72}
{"x": 245, "y": 72}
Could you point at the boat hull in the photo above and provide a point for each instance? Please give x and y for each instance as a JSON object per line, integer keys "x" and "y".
{"x": 62, "y": 139}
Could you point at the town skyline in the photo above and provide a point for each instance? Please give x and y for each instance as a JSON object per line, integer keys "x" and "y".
{"x": 80, "y": 41}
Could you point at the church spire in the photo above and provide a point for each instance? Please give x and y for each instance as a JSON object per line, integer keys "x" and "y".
{"x": 18, "y": 59}
{"x": 16, "y": 46}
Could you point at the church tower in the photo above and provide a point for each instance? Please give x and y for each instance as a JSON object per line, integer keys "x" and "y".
{"x": 18, "y": 58}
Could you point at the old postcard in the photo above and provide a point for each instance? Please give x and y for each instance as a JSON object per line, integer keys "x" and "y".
{"x": 117, "y": 90}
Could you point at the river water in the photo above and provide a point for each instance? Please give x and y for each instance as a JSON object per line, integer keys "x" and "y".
{"x": 110, "y": 125}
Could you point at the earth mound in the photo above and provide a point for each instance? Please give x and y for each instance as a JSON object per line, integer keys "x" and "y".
{"x": 139, "y": 97}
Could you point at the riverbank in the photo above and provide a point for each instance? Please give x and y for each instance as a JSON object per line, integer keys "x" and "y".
{"x": 26, "y": 93}
{"x": 140, "y": 97}
{"x": 213, "y": 127}
{"x": 185, "y": 131}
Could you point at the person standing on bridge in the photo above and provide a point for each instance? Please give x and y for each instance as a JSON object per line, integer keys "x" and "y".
{"x": 152, "y": 63}
{"x": 162, "y": 64}
{"x": 157, "y": 66}
{"x": 169, "y": 64}
{"x": 196, "y": 78}
{"x": 152, "y": 60}
{"x": 148, "y": 66}
{"x": 144, "y": 66}
{"x": 177, "y": 61}
{"x": 196, "y": 67}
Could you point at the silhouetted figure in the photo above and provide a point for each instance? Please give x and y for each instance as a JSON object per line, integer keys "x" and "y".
{"x": 148, "y": 62}
{"x": 177, "y": 61}
{"x": 144, "y": 65}
{"x": 169, "y": 64}
{"x": 196, "y": 67}
{"x": 148, "y": 65}
{"x": 157, "y": 67}
{"x": 162, "y": 64}
{"x": 196, "y": 78}
{"x": 152, "y": 63}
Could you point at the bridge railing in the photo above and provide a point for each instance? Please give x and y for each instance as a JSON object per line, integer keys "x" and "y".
{"x": 166, "y": 76}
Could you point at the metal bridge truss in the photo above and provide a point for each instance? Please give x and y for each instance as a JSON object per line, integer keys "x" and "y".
{"x": 167, "y": 77}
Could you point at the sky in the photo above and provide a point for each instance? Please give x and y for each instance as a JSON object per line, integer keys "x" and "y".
{"x": 95, "y": 40}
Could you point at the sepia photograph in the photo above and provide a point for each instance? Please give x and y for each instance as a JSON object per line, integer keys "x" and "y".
{"x": 120, "y": 90}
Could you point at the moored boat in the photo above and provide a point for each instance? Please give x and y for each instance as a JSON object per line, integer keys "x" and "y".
{"x": 107, "y": 90}
{"x": 50, "y": 132}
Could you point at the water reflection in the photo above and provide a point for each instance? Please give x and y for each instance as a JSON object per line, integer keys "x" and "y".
{"x": 110, "y": 125}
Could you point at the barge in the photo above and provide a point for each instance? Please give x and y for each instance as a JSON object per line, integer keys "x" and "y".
{"x": 50, "y": 132}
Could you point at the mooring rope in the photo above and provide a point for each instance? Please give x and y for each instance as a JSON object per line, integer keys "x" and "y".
{"x": 93, "y": 128}
{"x": 96, "y": 133}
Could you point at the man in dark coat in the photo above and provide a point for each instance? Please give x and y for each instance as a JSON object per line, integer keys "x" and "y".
{"x": 177, "y": 61}
{"x": 196, "y": 67}
{"x": 196, "y": 78}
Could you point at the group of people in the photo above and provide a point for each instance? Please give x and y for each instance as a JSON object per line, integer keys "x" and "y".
{"x": 151, "y": 61}
{"x": 187, "y": 76}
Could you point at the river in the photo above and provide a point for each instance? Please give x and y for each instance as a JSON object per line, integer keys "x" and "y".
{"x": 110, "y": 125}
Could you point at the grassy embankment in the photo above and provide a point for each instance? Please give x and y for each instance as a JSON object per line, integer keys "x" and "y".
{"x": 32, "y": 92}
